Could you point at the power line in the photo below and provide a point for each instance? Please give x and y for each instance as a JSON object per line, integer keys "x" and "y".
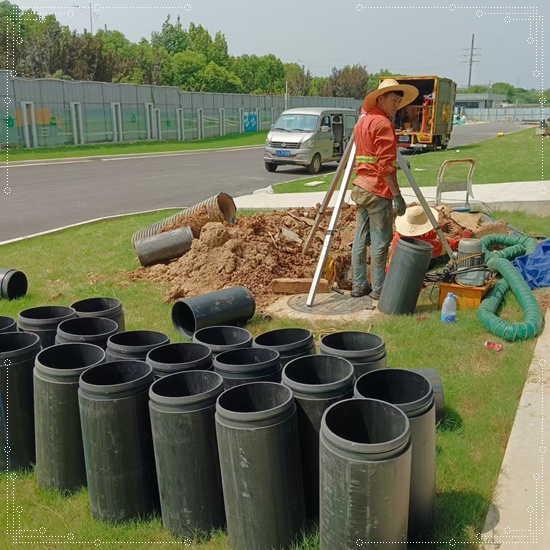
{"x": 472, "y": 60}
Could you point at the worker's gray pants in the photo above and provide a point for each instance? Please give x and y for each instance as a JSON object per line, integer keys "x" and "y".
{"x": 373, "y": 215}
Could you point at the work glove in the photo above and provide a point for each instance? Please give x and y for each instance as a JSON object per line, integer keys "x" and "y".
{"x": 399, "y": 203}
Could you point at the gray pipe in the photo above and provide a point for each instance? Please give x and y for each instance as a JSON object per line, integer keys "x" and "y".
{"x": 164, "y": 247}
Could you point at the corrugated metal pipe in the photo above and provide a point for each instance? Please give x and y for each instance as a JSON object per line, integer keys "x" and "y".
{"x": 219, "y": 208}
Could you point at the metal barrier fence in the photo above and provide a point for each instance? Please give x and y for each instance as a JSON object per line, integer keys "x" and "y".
{"x": 46, "y": 112}
{"x": 509, "y": 114}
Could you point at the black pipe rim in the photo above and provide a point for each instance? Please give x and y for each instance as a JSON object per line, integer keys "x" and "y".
{"x": 388, "y": 384}
{"x": 167, "y": 390}
{"x": 255, "y": 359}
{"x": 304, "y": 338}
{"x": 295, "y": 374}
{"x": 101, "y": 304}
{"x": 414, "y": 244}
{"x": 45, "y": 314}
{"x": 17, "y": 345}
{"x": 179, "y": 354}
{"x": 375, "y": 408}
{"x": 329, "y": 341}
{"x": 156, "y": 339}
{"x": 46, "y": 358}
{"x": 138, "y": 374}
{"x": 241, "y": 395}
{"x": 206, "y": 336}
{"x": 7, "y": 324}
{"x": 77, "y": 325}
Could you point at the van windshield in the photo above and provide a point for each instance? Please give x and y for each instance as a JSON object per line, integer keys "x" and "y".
{"x": 297, "y": 123}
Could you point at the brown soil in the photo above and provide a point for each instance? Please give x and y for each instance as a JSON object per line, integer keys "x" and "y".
{"x": 253, "y": 251}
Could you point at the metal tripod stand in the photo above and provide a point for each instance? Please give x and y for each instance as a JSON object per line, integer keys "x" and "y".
{"x": 348, "y": 159}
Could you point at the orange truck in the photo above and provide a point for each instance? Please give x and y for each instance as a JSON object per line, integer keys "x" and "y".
{"x": 427, "y": 122}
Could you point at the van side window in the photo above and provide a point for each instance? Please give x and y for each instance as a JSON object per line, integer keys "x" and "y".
{"x": 325, "y": 121}
{"x": 350, "y": 122}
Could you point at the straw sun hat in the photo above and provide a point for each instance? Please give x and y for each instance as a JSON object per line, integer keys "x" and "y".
{"x": 414, "y": 222}
{"x": 410, "y": 93}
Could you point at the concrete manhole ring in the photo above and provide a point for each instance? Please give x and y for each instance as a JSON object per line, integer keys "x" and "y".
{"x": 330, "y": 303}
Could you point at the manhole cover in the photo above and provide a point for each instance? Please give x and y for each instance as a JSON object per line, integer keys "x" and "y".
{"x": 330, "y": 303}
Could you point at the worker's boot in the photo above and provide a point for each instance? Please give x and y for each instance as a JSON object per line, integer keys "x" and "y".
{"x": 360, "y": 292}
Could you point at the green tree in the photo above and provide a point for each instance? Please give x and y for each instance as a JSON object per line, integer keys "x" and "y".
{"x": 320, "y": 87}
{"x": 173, "y": 38}
{"x": 45, "y": 48}
{"x": 200, "y": 40}
{"x": 217, "y": 51}
{"x": 299, "y": 82}
{"x": 246, "y": 68}
{"x": 350, "y": 81}
{"x": 214, "y": 78}
{"x": 270, "y": 78}
{"x": 503, "y": 88}
{"x": 374, "y": 79}
{"x": 186, "y": 68}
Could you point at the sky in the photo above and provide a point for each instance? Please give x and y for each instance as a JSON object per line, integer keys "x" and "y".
{"x": 416, "y": 39}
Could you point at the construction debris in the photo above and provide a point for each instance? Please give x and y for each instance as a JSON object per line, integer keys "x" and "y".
{"x": 258, "y": 249}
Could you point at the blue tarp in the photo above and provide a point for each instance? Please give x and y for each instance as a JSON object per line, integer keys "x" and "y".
{"x": 535, "y": 268}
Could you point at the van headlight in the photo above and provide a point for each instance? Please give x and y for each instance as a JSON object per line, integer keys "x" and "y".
{"x": 268, "y": 143}
{"x": 308, "y": 144}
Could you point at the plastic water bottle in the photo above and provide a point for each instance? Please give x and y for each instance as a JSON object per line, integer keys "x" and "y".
{"x": 448, "y": 310}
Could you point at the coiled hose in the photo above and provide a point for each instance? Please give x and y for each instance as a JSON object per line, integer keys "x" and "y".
{"x": 511, "y": 280}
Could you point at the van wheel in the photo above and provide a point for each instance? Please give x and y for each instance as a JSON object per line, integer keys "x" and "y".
{"x": 315, "y": 166}
{"x": 270, "y": 167}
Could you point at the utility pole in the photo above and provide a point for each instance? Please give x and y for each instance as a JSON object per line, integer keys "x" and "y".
{"x": 89, "y": 8}
{"x": 471, "y": 60}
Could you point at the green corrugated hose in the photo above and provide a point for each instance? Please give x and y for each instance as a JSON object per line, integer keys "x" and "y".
{"x": 511, "y": 280}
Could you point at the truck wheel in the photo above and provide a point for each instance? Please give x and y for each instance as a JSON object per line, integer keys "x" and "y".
{"x": 270, "y": 167}
{"x": 444, "y": 146}
{"x": 315, "y": 165}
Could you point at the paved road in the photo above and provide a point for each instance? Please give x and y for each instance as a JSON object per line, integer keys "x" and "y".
{"x": 45, "y": 195}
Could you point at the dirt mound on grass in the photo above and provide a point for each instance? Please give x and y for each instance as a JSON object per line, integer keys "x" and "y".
{"x": 252, "y": 252}
{"x": 257, "y": 249}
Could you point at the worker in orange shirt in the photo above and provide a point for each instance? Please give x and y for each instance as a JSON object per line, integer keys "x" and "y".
{"x": 375, "y": 186}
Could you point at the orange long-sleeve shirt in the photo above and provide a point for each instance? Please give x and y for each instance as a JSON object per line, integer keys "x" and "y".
{"x": 376, "y": 152}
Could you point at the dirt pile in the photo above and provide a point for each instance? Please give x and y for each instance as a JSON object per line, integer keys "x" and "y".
{"x": 257, "y": 249}
{"x": 252, "y": 252}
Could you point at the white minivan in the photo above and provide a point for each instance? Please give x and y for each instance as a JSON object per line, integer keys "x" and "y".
{"x": 309, "y": 136}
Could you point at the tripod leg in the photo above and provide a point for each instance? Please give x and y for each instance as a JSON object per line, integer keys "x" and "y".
{"x": 423, "y": 202}
{"x": 331, "y": 226}
{"x": 323, "y": 209}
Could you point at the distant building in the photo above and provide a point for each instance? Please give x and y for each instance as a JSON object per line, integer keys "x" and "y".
{"x": 478, "y": 101}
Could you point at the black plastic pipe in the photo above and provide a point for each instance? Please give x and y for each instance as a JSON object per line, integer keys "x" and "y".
{"x": 182, "y": 408}
{"x": 413, "y": 394}
{"x": 7, "y": 324}
{"x": 317, "y": 382}
{"x": 110, "y": 308}
{"x": 230, "y": 306}
{"x": 13, "y": 283}
{"x": 58, "y": 434}
{"x": 17, "y": 353}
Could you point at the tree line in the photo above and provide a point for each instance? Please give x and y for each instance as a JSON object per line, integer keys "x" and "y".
{"x": 189, "y": 58}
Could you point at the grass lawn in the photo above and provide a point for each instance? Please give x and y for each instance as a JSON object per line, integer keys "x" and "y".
{"x": 232, "y": 140}
{"x": 482, "y": 387}
{"x": 496, "y": 162}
